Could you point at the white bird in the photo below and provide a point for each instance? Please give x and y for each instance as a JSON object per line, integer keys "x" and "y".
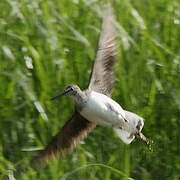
{"x": 94, "y": 105}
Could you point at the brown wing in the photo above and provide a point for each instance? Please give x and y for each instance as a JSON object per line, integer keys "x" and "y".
{"x": 72, "y": 132}
{"x": 102, "y": 78}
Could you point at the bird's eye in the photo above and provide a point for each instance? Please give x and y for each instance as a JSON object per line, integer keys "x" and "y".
{"x": 70, "y": 88}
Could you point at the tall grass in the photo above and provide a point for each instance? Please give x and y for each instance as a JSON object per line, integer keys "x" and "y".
{"x": 45, "y": 45}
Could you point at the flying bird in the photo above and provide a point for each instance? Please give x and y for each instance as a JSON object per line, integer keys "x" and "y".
{"x": 94, "y": 105}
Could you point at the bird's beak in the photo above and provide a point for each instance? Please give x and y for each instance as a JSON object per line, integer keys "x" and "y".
{"x": 59, "y": 95}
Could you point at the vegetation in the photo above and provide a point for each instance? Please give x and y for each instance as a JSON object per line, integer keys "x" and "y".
{"x": 45, "y": 45}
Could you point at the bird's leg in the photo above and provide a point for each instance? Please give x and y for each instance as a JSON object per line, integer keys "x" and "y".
{"x": 141, "y": 137}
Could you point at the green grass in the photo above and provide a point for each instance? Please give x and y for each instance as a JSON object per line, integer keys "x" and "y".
{"x": 45, "y": 45}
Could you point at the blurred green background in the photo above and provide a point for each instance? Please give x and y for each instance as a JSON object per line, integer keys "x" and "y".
{"x": 45, "y": 45}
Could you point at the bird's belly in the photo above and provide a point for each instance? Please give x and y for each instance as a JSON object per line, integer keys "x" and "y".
{"x": 99, "y": 113}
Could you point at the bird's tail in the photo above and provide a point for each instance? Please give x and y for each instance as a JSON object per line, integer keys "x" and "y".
{"x": 125, "y": 136}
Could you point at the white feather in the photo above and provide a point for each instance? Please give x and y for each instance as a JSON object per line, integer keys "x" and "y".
{"x": 134, "y": 125}
{"x": 124, "y": 135}
{"x": 100, "y": 108}
{"x": 106, "y": 112}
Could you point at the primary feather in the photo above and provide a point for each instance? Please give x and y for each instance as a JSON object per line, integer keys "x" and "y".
{"x": 72, "y": 132}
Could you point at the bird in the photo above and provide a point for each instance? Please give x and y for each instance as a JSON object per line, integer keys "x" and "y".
{"x": 94, "y": 105}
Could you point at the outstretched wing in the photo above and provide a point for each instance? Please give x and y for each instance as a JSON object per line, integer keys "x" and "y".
{"x": 101, "y": 81}
{"x": 102, "y": 78}
{"x": 72, "y": 132}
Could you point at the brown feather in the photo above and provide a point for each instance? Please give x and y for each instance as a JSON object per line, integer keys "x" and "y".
{"x": 72, "y": 132}
{"x": 102, "y": 78}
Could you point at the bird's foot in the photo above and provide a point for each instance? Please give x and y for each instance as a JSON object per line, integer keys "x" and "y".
{"x": 141, "y": 137}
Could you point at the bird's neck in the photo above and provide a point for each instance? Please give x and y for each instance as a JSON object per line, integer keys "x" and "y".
{"x": 80, "y": 99}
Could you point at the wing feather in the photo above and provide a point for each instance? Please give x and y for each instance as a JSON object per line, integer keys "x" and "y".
{"x": 102, "y": 78}
{"x": 72, "y": 132}
{"x": 101, "y": 81}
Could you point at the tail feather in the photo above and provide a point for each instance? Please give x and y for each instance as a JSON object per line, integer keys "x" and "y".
{"x": 125, "y": 136}
{"x": 131, "y": 128}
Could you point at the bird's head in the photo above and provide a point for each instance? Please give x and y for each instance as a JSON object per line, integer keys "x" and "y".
{"x": 70, "y": 90}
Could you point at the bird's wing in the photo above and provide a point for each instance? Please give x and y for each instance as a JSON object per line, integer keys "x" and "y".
{"x": 101, "y": 81}
{"x": 102, "y": 78}
{"x": 72, "y": 132}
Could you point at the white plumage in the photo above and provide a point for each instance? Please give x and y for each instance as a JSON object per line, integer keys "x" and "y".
{"x": 104, "y": 111}
{"x": 135, "y": 125}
